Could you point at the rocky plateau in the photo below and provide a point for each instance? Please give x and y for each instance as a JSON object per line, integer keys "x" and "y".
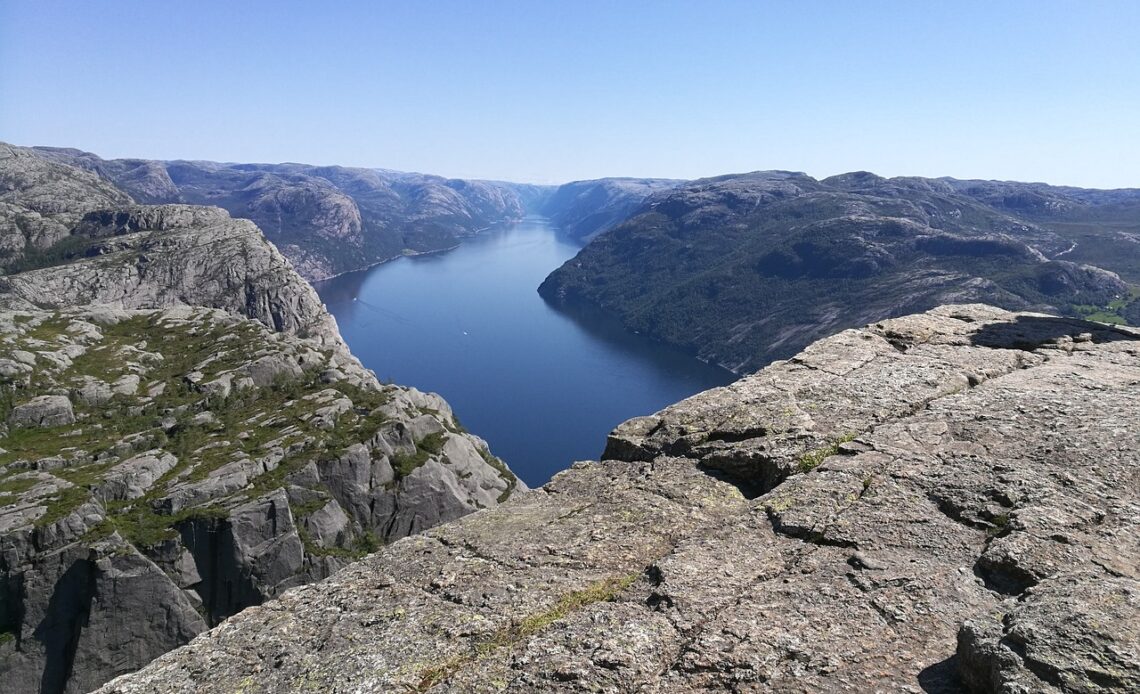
{"x": 943, "y": 502}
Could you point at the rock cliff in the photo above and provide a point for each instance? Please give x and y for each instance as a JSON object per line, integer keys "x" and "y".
{"x": 943, "y": 502}
{"x": 182, "y": 431}
{"x": 173, "y": 255}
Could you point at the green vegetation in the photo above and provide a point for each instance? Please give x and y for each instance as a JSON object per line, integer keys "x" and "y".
{"x": 1120, "y": 311}
{"x": 7, "y": 401}
{"x": 245, "y": 423}
{"x": 999, "y": 523}
{"x": 142, "y": 526}
{"x": 403, "y": 464}
{"x": 812, "y": 459}
{"x": 432, "y": 443}
{"x": 65, "y": 249}
{"x": 602, "y": 591}
{"x": 17, "y": 485}
{"x": 504, "y": 472}
{"x": 62, "y": 504}
{"x": 363, "y": 545}
{"x": 507, "y": 637}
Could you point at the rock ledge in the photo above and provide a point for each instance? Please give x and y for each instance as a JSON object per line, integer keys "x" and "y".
{"x": 937, "y": 503}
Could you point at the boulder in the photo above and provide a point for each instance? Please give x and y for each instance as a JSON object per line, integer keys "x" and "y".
{"x": 43, "y": 411}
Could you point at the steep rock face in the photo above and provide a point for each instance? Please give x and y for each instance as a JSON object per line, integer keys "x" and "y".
{"x": 326, "y": 219}
{"x": 170, "y": 255}
{"x": 747, "y": 268}
{"x": 944, "y": 502}
{"x": 40, "y": 201}
{"x": 183, "y": 433}
{"x": 95, "y": 247}
{"x": 191, "y": 463}
{"x": 585, "y": 209}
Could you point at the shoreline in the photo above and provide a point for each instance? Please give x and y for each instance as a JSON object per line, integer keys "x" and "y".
{"x": 407, "y": 253}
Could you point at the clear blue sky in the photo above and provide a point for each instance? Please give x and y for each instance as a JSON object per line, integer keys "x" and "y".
{"x": 554, "y": 91}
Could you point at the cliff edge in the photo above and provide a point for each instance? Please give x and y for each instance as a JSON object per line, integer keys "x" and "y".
{"x": 943, "y": 502}
{"x": 183, "y": 433}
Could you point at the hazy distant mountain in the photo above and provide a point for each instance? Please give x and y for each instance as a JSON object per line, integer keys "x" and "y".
{"x": 585, "y": 209}
{"x": 326, "y": 219}
{"x": 743, "y": 269}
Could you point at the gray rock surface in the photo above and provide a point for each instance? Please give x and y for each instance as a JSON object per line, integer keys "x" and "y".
{"x": 42, "y": 411}
{"x": 174, "y": 505}
{"x": 943, "y": 502}
{"x": 176, "y": 411}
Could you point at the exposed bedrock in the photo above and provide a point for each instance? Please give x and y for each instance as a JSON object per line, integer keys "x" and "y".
{"x": 943, "y": 502}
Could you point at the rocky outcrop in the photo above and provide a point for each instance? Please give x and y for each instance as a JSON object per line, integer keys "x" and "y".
{"x": 175, "y": 255}
{"x": 944, "y": 502}
{"x": 183, "y": 433}
{"x": 187, "y": 463}
{"x": 747, "y": 268}
{"x": 326, "y": 219}
{"x": 40, "y": 201}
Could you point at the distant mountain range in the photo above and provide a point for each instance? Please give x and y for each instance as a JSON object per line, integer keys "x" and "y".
{"x": 326, "y": 219}
{"x": 333, "y": 219}
{"x": 740, "y": 269}
{"x": 744, "y": 269}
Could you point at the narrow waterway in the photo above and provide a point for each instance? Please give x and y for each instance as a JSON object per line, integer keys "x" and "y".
{"x": 543, "y": 387}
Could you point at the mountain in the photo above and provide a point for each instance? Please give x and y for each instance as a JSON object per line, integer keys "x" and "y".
{"x": 326, "y": 219}
{"x": 183, "y": 433}
{"x": 943, "y": 503}
{"x": 744, "y": 269}
{"x": 585, "y": 209}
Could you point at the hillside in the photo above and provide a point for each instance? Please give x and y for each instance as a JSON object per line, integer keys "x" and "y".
{"x": 326, "y": 219}
{"x": 183, "y": 433}
{"x": 586, "y": 209}
{"x": 748, "y": 268}
{"x": 942, "y": 503}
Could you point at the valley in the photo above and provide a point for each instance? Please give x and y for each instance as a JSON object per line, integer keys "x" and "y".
{"x": 186, "y": 421}
{"x": 542, "y": 386}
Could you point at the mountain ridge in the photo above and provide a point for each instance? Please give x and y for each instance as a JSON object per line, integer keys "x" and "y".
{"x": 326, "y": 219}
{"x": 744, "y": 268}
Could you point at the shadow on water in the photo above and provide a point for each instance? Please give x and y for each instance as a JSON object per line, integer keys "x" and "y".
{"x": 343, "y": 288}
{"x": 664, "y": 358}
{"x": 1031, "y": 332}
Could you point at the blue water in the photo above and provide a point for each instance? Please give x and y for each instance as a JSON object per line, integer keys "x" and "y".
{"x": 543, "y": 387}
